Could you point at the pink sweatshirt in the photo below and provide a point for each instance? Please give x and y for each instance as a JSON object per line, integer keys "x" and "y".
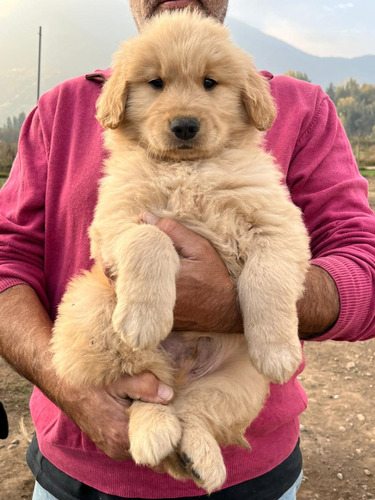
{"x": 47, "y": 205}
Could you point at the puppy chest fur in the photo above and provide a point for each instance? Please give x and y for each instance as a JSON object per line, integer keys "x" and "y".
{"x": 230, "y": 200}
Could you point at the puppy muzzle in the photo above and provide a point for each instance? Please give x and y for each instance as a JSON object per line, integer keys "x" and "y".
{"x": 184, "y": 128}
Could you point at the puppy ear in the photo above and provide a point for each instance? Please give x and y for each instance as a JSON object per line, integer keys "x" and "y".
{"x": 258, "y": 101}
{"x": 111, "y": 104}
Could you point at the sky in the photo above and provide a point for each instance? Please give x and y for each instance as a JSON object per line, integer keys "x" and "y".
{"x": 319, "y": 27}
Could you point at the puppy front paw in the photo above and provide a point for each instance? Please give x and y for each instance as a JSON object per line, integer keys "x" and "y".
{"x": 142, "y": 325}
{"x": 277, "y": 362}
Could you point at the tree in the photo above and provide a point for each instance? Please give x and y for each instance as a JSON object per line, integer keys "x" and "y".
{"x": 351, "y": 88}
{"x": 298, "y": 74}
{"x": 9, "y": 134}
{"x": 355, "y": 106}
{"x": 331, "y": 91}
{"x": 10, "y": 131}
{"x": 357, "y": 117}
{"x": 350, "y": 115}
{"x": 368, "y": 94}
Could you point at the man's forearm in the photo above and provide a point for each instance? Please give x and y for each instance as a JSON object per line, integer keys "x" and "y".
{"x": 319, "y": 307}
{"x": 25, "y": 332}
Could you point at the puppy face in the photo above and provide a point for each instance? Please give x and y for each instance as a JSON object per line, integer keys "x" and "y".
{"x": 182, "y": 90}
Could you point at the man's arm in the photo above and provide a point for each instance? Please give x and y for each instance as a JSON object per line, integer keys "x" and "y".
{"x": 25, "y": 332}
{"x": 319, "y": 307}
{"x": 207, "y": 297}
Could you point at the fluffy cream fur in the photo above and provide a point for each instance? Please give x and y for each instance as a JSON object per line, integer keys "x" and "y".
{"x": 221, "y": 184}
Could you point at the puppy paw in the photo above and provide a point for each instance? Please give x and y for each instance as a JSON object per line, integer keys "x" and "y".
{"x": 200, "y": 458}
{"x": 278, "y": 362}
{"x": 142, "y": 325}
{"x": 155, "y": 437}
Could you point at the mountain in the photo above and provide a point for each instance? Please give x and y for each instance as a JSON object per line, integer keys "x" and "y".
{"x": 278, "y": 57}
{"x": 79, "y": 37}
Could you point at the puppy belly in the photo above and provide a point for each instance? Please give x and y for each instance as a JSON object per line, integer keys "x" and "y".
{"x": 195, "y": 355}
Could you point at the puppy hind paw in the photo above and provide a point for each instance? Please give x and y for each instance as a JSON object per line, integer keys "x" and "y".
{"x": 152, "y": 444}
{"x": 200, "y": 459}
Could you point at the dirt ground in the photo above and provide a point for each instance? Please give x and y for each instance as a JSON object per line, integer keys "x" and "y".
{"x": 337, "y": 430}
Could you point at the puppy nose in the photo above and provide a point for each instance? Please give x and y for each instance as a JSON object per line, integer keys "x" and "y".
{"x": 185, "y": 128}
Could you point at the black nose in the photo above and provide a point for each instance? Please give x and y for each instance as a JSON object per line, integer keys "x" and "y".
{"x": 185, "y": 128}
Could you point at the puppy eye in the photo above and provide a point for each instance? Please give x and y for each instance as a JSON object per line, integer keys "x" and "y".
{"x": 209, "y": 83}
{"x": 157, "y": 84}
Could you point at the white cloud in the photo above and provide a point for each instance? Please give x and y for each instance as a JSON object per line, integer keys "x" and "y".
{"x": 299, "y": 38}
{"x": 336, "y": 28}
{"x": 348, "y": 5}
{"x": 340, "y": 43}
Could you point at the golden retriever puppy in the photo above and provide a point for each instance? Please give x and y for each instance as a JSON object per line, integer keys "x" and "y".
{"x": 183, "y": 111}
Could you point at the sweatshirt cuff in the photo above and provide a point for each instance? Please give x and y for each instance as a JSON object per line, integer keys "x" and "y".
{"x": 354, "y": 291}
{"x": 8, "y": 281}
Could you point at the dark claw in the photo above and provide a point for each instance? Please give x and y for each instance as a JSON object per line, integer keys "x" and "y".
{"x": 182, "y": 462}
{"x": 195, "y": 474}
{"x": 187, "y": 459}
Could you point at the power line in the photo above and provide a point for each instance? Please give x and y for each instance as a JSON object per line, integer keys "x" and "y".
{"x": 39, "y": 62}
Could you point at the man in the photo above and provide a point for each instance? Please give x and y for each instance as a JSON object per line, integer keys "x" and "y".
{"x": 81, "y": 446}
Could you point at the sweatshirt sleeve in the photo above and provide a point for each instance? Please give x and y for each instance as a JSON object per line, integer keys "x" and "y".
{"x": 22, "y": 213}
{"x": 325, "y": 183}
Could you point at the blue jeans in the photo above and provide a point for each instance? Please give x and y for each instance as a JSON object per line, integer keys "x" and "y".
{"x": 41, "y": 494}
{"x": 291, "y": 494}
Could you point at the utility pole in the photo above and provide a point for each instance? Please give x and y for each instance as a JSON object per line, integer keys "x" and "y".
{"x": 39, "y": 62}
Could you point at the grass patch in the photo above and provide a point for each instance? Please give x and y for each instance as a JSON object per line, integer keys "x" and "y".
{"x": 364, "y": 151}
{"x": 366, "y": 172}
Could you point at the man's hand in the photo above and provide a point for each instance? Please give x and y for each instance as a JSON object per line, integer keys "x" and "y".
{"x": 101, "y": 412}
{"x": 206, "y": 295}
{"x": 25, "y": 333}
